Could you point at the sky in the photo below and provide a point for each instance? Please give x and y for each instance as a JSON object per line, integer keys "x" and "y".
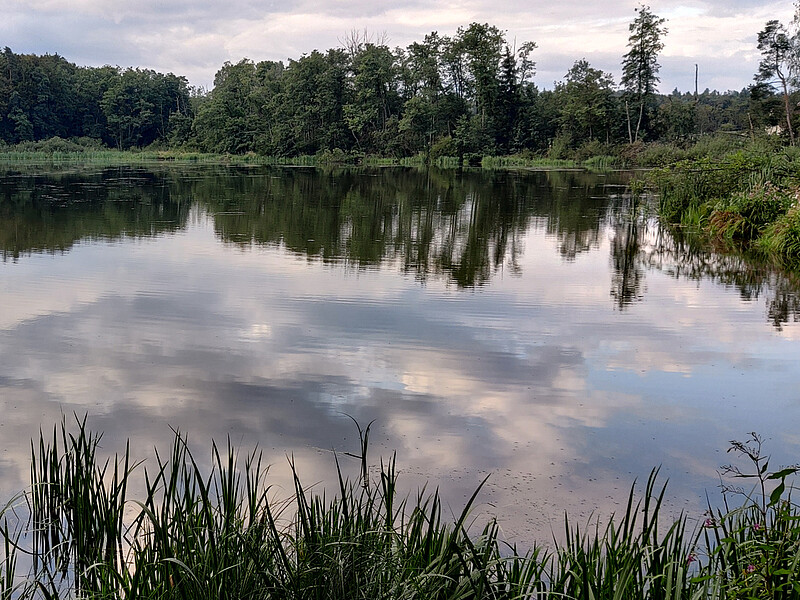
{"x": 194, "y": 38}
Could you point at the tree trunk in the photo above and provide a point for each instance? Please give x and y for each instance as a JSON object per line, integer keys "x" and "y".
{"x": 628, "y": 114}
{"x": 788, "y": 110}
{"x": 639, "y": 122}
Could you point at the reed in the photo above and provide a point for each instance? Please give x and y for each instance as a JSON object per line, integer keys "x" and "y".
{"x": 218, "y": 532}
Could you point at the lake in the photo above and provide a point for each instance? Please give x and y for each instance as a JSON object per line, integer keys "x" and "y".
{"x": 537, "y": 327}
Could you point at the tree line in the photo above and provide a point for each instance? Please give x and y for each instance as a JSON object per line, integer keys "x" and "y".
{"x": 467, "y": 94}
{"x": 46, "y": 96}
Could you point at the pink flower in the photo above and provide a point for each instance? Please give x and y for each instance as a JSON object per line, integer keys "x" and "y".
{"x": 756, "y": 526}
{"x": 709, "y": 523}
{"x": 750, "y": 568}
{"x": 691, "y": 558}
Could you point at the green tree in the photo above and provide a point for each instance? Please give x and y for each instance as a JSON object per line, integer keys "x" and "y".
{"x": 315, "y": 90}
{"x": 587, "y": 103}
{"x": 778, "y": 66}
{"x": 375, "y": 96}
{"x": 482, "y": 45}
{"x": 676, "y": 117}
{"x": 138, "y": 105}
{"x": 640, "y": 65}
{"x": 231, "y": 119}
{"x": 507, "y": 103}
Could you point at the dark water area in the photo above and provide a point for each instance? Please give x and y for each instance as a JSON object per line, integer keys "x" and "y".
{"x": 537, "y": 327}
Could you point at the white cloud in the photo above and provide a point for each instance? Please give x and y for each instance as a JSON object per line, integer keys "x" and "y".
{"x": 194, "y": 38}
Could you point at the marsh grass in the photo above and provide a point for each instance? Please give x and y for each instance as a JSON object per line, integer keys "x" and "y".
{"x": 748, "y": 198}
{"x": 219, "y": 532}
{"x": 73, "y": 154}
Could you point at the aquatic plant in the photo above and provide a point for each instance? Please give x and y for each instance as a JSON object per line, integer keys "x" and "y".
{"x": 219, "y": 532}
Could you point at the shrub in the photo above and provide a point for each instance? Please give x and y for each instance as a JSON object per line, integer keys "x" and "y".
{"x": 782, "y": 238}
{"x": 445, "y": 146}
{"x": 746, "y": 214}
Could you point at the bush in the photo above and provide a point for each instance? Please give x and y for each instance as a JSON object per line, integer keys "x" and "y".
{"x": 560, "y": 147}
{"x": 660, "y": 155}
{"x": 690, "y": 183}
{"x": 718, "y": 146}
{"x": 51, "y": 146}
{"x": 337, "y": 156}
{"x": 445, "y": 146}
{"x": 591, "y": 149}
{"x": 745, "y": 214}
{"x": 782, "y": 238}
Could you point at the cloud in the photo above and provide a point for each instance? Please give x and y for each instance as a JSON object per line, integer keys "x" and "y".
{"x": 194, "y": 38}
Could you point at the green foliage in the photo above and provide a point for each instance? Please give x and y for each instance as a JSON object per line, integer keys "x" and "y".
{"x": 219, "y": 534}
{"x": 749, "y": 196}
{"x": 446, "y": 146}
{"x": 587, "y": 107}
{"x": 744, "y": 215}
{"x": 676, "y": 118}
{"x": 782, "y": 238}
{"x": 628, "y": 558}
{"x": 660, "y": 155}
{"x": 216, "y": 531}
{"x": 640, "y": 67}
{"x": 690, "y": 183}
{"x": 779, "y": 64}
{"x": 753, "y": 550}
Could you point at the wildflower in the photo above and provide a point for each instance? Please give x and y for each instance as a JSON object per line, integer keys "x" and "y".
{"x": 750, "y": 568}
{"x": 756, "y": 526}
{"x": 709, "y": 523}
{"x": 691, "y": 558}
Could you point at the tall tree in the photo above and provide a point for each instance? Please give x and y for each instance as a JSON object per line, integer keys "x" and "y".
{"x": 375, "y": 98}
{"x": 778, "y": 64}
{"x": 231, "y": 118}
{"x": 640, "y": 65}
{"x": 480, "y": 48}
{"x": 507, "y": 103}
{"x": 587, "y": 103}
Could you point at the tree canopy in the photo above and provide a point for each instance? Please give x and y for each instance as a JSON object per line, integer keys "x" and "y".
{"x": 465, "y": 95}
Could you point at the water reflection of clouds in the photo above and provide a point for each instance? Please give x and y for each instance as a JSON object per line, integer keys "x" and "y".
{"x": 428, "y": 384}
{"x": 272, "y": 349}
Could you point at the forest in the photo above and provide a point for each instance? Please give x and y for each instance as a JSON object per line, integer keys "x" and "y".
{"x": 470, "y": 94}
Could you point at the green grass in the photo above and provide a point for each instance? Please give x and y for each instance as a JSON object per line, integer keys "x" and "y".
{"x": 62, "y": 152}
{"x": 747, "y": 198}
{"x": 219, "y": 533}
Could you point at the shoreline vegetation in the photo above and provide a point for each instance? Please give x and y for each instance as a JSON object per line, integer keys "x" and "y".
{"x": 639, "y": 155}
{"x": 217, "y": 532}
{"x": 726, "y": 160}
{"x": 745, "y": 200}
{"x": 739, "y": 194}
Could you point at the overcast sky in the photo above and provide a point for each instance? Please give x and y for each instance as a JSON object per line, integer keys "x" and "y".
{"x": 195, "y": 37}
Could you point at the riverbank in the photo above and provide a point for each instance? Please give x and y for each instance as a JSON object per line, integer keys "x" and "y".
{"x": 598, "y": 157}
{"x": 748, "y": 199}
{"x": 218, "y": 532}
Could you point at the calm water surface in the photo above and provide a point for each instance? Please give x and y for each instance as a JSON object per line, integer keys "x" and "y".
{"x": 532, "y": 326}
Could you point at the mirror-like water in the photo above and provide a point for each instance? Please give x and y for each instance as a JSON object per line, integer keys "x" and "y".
{"x": 534, "y": 326}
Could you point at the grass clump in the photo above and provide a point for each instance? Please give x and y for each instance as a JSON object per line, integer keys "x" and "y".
{"x": 748, "y": 197}
{"x": 218, "y": 532}
{"x": 744, "y": 215}
{"x": 782, "y": 238}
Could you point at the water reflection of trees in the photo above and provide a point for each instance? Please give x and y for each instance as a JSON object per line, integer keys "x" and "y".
{"x": 683, "y": 256}
{"x": 466, "y": 227}
{"x": 51, "y": 214}
{"x": 627, "y": 233}
{"x": 575, "y": 206}
{"x": 463, "y": 226}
